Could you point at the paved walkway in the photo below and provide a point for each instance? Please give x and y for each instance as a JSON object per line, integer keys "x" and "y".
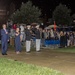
{"x": 63, "y": 62}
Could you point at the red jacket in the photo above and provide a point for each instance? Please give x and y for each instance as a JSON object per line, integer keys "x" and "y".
{"x": 14, "y": 26}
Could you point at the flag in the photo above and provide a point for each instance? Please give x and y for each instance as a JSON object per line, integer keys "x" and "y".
{"x": 54, "y": 26}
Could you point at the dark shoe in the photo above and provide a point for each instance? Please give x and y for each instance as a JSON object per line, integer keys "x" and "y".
{"x": 5, "y": 53}
{"x": 38, "y": 51}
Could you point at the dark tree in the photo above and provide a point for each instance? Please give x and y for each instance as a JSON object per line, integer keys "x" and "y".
{"x": 62, "y": 15}
{"x": 28, "y": 13}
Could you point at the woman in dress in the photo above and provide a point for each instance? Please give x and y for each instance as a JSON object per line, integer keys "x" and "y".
{"x": 18, "y": 41}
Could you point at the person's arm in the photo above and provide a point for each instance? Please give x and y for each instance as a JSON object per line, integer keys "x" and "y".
{"x": 7, "y": 35}
{"x": 2, "y": 33}
{"x": 16, "y": 34}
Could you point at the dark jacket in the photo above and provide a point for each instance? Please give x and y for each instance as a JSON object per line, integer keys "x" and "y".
{"x": 28, "y": 35}
{"x": 37, "y": 34}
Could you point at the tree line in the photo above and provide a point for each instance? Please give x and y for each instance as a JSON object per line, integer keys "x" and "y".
{"x": 29, "y": 13}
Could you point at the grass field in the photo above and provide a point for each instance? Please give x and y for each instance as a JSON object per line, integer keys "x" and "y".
{"x": 11, "y": 67}
{"x": 68, "y": 49}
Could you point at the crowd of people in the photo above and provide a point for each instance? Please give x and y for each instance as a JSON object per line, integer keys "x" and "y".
{"x": 19, "y": 37}
{"x": 33, "y": 36}
{"x": 67, "y": 39}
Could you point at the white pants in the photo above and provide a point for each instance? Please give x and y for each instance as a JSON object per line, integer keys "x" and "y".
{"x": 28, "y": 45}
{"x": 38, "y": 44}
{"x": 68, "y": 42}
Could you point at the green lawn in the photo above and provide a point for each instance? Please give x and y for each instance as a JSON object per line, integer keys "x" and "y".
{"x": 11, "y": 67}
{"x": 69, "y": 50}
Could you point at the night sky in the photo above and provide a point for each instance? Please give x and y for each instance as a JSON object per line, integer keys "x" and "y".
{"x": 48, "y": 6}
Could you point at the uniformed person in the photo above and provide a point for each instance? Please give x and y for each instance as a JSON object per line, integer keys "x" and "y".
{"x": 38, "y": 40}
{"x": 28, "y": 38}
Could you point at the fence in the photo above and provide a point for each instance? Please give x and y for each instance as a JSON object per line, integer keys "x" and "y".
{"x": 52, "y": 43}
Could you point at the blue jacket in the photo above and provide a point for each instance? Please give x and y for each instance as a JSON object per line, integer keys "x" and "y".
{"x": 4, "y": 36}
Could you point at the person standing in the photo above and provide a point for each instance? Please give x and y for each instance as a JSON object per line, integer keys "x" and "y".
{"x": 38, "y": 40}
{"x": 65, "y": 39}
{"x": 22, "y": 32}
{"x": 14, "y": 26}
{"x": 4, "y": 39}
{"x": 28, "y": 38}
{"x": 43, "y": 38}
{"x": 18, "y": 40}
{"x": 61, "y": 39}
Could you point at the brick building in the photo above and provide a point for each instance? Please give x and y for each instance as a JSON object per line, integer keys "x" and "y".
{"x": 6, "y": 8}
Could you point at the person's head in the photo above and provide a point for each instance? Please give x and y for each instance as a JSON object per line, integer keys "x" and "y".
{"x": 37, "y": 26}
{"x": 43, "y": 30}
{"x": 4, "y": 26}
{"x": 51, "y": 30}
{"x": 14, "y": 24}
{"x": 32, "y": 26}
{"x": 46, "y": 30}
{"x": 64, "y": 33}
{"x": 68, "y": 33}
{"x": 28, "y": 26}
{"x": 61, "y": 33}
{"x": 17, "y": 29}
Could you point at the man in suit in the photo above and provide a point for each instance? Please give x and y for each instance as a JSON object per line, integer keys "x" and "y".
{"x": 4, "y": 39}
